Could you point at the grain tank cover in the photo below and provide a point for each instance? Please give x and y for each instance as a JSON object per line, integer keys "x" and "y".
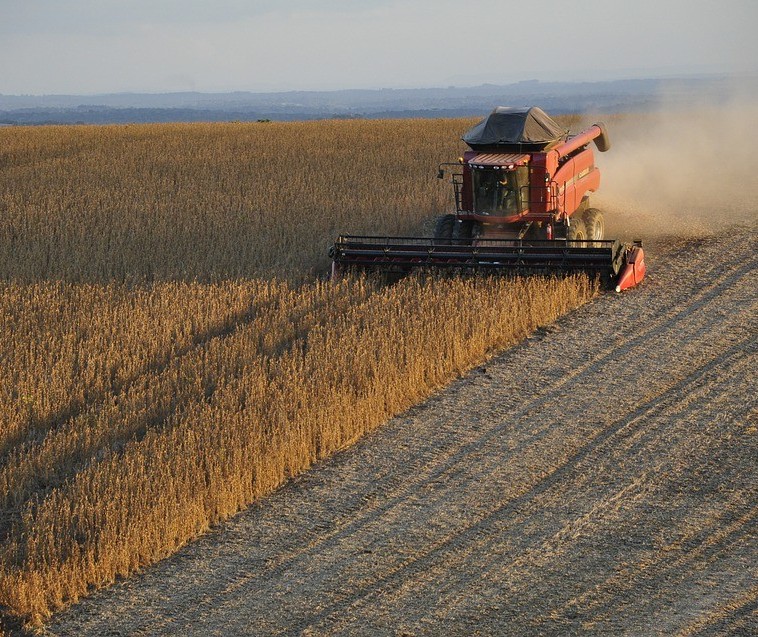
{"x": 525, "y": 128}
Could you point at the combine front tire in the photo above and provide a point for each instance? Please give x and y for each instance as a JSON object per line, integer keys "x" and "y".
{"x": 576, "y": 231}
{"x": 594, "y": 224}
{"x": 465, "y": 232}
{"x": 443, "y": 229}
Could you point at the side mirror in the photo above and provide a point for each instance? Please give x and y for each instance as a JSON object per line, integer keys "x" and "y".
{"x": 441, "y": 173}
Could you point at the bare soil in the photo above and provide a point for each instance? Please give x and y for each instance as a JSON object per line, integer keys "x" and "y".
{"x": 599, "y": 478}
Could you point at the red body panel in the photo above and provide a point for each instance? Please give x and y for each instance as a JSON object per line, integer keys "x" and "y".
{"x": 467, "y": 197}
{"x": 575, "y": 179}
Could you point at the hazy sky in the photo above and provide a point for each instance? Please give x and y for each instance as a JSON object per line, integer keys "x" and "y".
{"x": 94, "y": 46}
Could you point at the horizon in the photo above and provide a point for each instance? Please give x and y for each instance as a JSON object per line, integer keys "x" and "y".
{"x": 714, "y": 76}
{"x": 600, "y": 96}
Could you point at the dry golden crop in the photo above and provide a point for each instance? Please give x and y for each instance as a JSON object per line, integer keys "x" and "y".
{"x": 209, "y": 201}
{"x": 155, "y": 381}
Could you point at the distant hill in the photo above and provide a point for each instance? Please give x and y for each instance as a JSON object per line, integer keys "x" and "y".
{"x": 554, "y": 97}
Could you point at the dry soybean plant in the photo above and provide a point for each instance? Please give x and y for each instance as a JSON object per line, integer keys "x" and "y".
{"x": 156, "y": 381}
{"x": 206, "y": 202}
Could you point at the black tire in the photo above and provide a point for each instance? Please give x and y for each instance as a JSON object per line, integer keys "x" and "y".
{"x": 594, "y": 224}
{"x": 443, "y": 229}
{"x": 465, "y": 232}
{"x": 576, "y": 231}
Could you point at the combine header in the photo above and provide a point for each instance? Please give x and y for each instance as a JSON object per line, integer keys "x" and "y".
{"x": 522, "y": 205}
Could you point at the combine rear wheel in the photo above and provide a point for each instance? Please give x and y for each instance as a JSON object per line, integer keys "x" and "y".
{"x": 576, "y": 231}
{"x": 594, "y": 224}
{"x": 443, "y": 229}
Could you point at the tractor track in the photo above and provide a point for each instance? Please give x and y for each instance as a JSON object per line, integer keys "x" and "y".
{"x": 598, "y": 477}
{"x": 459, "y": 546}
{"x": 444, "y": 462}
{"x": 734, "y": 619}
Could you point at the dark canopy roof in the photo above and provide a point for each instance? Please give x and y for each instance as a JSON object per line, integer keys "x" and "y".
{"x": 506, "y": 126}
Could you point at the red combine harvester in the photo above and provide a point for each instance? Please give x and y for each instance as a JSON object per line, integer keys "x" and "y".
{"x": 522, "y": 205}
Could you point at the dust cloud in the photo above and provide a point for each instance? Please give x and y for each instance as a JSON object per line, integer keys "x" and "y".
{"x": 681, "y": 170}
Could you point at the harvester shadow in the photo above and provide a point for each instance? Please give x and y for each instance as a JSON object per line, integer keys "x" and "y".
{"x": 72, "y": 461}
{"x": 45, "y": 426}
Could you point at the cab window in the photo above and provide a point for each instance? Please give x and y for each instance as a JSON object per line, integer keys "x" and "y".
{"x": 496, "y": 192}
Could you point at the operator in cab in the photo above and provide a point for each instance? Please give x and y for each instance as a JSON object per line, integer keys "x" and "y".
{"x": 507, "y": 199}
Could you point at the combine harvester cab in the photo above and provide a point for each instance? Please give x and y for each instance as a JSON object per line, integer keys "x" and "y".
{"x": 521, "y": 205}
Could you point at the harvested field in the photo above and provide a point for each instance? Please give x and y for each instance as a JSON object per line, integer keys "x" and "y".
{"x": 598, "y": 478}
